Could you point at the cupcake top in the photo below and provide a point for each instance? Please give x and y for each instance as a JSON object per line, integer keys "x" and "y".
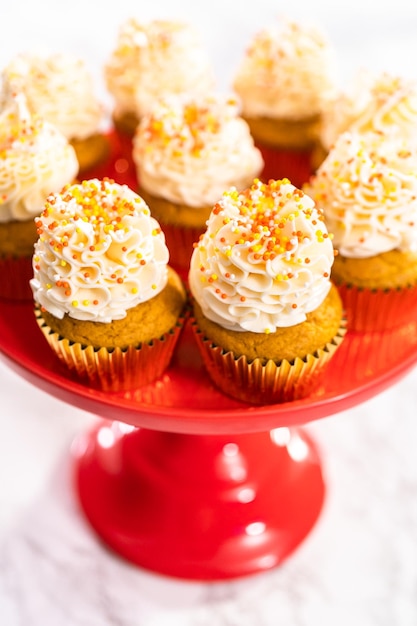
{"x": 264, "y": 261}
{"x": 35, "y": 160}
{"x": 191, "y": 149}
{"x": 59, "y": 88}
{"x": 156, "y": 58}
{"x": 288, "y": 71}
{"x": 384, "y": 103}
{"x": 99, "y": 252}
{"x": 367, "y": 187}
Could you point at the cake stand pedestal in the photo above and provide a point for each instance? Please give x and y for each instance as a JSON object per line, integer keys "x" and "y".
{"x": 199, "y": 507}
{"x": 182, "y": 480}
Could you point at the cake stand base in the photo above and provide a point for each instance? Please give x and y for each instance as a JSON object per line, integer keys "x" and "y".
{"x": 199, "y": 507}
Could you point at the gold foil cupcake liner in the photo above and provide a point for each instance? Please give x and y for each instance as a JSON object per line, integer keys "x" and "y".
{"x": 270, "y": 382}
{"x": 114, "y": 369}
{"x": 370, "y": 310}
{"x": 15, "y": 275}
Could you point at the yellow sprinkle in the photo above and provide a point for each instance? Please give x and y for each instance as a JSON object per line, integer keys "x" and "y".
{"x": 63, "y": 263}
{"x": 153, "y": 286}
{"x": 74, "y": 303}
{"x": 134, "y": 290}
{"x": 86, "y": 302}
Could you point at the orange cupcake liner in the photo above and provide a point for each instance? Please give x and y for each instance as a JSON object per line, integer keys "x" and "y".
{"x": 370, "y": 310}
{"x": 257, "y": 382}
{"x": 180, "y": 241}
{"x": 15, "y": 276}
{"x": 280, "y": 163}
{"x": 114, "y": 369}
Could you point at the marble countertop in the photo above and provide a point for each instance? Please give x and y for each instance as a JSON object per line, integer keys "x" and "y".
{"x": 358, "y": 565}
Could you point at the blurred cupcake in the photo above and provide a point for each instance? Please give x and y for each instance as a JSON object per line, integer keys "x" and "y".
{"x": 108, "y": 303}
{"x": 267, "y": 317}
{"x": 35, "y": 160}
{"x": 59, "y": 88}
{"x": 187, "y": 151}
{"x": 384, "y": 103}
{"x": 367, "y": 188}
{"x": 151, "y": 60}
{"x": 285, "y": 80}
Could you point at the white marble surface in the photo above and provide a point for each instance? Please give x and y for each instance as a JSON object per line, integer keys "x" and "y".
{"x": 359, "y": 565}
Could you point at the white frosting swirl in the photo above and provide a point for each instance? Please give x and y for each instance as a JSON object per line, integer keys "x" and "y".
{"x": 153, "y": 59}
{"x": 190, "y": 149}
{"x": 59, "y": 88}
{"x": 35, "y": 160}
{"x": 384, "y": 103}
{"x": 264, "y": 261}
{"x": 99, "y": 252}
{"x": 367, "y": 187}
{"x": 288, "y": 71}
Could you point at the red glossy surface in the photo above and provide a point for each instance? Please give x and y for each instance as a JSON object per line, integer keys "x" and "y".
{"x": 201, "y": 508}
{"x": 207, "y": 487}
{"x": 185, "y": 401}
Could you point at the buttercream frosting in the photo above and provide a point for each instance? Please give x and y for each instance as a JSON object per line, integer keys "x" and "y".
{"x": 60, "y": 89}
{"x": 35, "y": 160}
{"x": 265, "y": 259}
{"x": 384, "y": 103}
{"x": 367, "y": 188}
{"x": 288, "y": 71}
{"x": 191, "y": 149}
{"x": 99, "y": 252}
{"x": 153, "y": 59}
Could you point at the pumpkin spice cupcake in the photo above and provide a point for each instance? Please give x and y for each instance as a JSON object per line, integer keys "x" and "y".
{"x": 107, "y": 302}
{"x": 59, "y": 88}
{"x": 35, "y": 160}
{"x": 385, "y": 103}
{"x": 367, "y": 188}
{"x": 187, "y": 151}
{"x": 150, "y": 60}
{"x": 285, "y": 81}
{"x": 267, "y": 317}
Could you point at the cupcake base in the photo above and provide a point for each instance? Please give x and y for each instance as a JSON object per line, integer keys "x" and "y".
{"x": 270, "y": 382}
{"x": 286, "y": 146}
{"x": 91, "y": 152}
{"x": 114, "y": 369}
{"x": 281, "y": 163}
{"x": 182, "y": 226}
{"x": 369, "y": 310}
{"x": 16, "y": 274}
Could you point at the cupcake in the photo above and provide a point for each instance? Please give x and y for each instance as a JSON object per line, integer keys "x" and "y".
{"x": 383, "y": 103}
{"x": 187, "y": 151}
{"x": 107, "y": 301}
{"x": 35, "y": 160}
{"x": 151, "y": 60}
{"x": 367, "y": 188}
{"x": 59, "y": 88}
{"x": 285, "y": 81}
{"x": 267, "y": 318}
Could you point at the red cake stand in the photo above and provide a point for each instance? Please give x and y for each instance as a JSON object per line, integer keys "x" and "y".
{"x": 182, "y": 480}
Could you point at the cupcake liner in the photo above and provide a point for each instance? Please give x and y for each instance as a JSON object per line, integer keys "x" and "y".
{"x": 370, "y": 310}
{"x": 180, "y": 242}
{"x": 114, "y": 369}
{"x": 15, "y": 276}
{"x": 257, "y": 382}
{"x": 283, "y": 163}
